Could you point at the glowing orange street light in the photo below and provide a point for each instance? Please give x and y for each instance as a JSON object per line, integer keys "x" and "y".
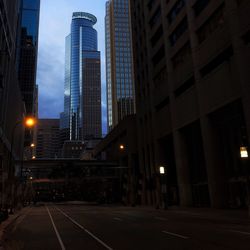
{"x": 29, "y": 122}
{"x": 121, "y": 147}
{"x": 33, "y": 157}
{"x": 32, "y": 145}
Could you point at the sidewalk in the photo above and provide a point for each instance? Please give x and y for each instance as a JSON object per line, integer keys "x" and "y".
{"x": 7, "y": 223}
{"x": 232, "y": 215}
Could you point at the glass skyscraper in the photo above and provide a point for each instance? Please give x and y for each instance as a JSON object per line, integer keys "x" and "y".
{"x": 27, "y": 51}
{"x": 82, "y": 87}
{"x": 119, "y": 62}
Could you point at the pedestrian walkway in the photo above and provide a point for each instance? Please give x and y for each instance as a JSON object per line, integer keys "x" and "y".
{"x": 237, "y": 215}
{"x": 5, "y": 225}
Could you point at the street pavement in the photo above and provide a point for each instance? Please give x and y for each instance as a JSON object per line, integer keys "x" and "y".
{"x": 61, "y": 226}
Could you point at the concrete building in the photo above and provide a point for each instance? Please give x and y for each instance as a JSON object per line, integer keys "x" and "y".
{"x": 193, "y": 98}
{"x": 11, "y": 106}
{"x": 119, "y": 62}
{"x": 26, "y": 59}
{"x": 47, "y": 139}
{"x": 81, "y": 118}
{"x": 72, "y": 149}
{"x": 120, "y": 146}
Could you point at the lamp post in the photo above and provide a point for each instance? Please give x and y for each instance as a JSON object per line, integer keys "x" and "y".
{"x": 244, "y": 156}
{"x": 163, "y": 182}
{"x": 27, "y": 122}
{"x": 121, "y": 149}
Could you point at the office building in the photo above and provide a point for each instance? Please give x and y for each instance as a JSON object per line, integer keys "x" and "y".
{"x": 81, "y": 118}
{"x": 193, "y": 99}
{"x": 11, "y": 106}
{"x": 47, "y": 139}
{"x": 120, "y": 146}
{"x": 27, "y": 52}
{"x": 72, "y": 149}
{"x": 119, "y": 62}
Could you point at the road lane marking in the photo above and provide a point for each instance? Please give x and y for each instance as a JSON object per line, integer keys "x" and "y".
{"x": 240, "y": 232}
{"x": 85, "y": 230}
{"x": 161, "y": 218}
{"x": 57, "y": 234}
{"x": 177, "y": 235}
{"x": 116, "y": 218}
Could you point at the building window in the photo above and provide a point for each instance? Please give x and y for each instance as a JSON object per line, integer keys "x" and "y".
{"x": 160, "y": 77}
{"x": 199, "y": 6}
{"x": 184, "y": 87}
{"x": 158, "y": 34}
{"x": 177, "y": 33}
{"x": 175, "y": 10}
{"x": 160, "y": 54}
{"x": 217, "y": 61}
{"x": 215, "y": 21}
{"x": 162, "y": 104}
{"x": 155, "y": 18}
{"x": 181, "y": 55}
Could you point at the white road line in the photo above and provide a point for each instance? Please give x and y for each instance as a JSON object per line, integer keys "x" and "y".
{"x": 116, "y": 218}
{"x": 57, "y": 234}
{"x": 240, "y": 232}
{"x": 177, "y": 235}
{"x": 161, "y": 218}
{"x": 85, "y": 230}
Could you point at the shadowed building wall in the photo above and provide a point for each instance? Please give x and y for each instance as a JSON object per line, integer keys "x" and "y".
{"x": 193, "y": 98}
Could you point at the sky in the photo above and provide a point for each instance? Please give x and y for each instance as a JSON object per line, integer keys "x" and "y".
{"x": 55, "y": 20}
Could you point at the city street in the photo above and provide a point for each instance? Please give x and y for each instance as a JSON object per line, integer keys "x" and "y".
{"x": 75, "y": 227}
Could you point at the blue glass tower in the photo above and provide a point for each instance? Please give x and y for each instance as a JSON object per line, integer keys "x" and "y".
{"x": 82, "y": 88}
{"x": 27, "y": 51}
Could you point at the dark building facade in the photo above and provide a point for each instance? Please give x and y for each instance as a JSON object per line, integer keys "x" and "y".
{"x": 47, "y": 139}
{"x": 193, "y": 98}
{"x": 119, "y": 62}
{"x": 120, "y": 146}
{"x": 11, "y": 106}
{"x": 81, "y": 118}
{"x": 27, "y": 52}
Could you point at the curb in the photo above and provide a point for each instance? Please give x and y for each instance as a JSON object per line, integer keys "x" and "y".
{"x": 7, "y": 223}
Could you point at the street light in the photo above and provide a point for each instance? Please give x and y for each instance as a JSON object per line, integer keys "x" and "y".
{"x": 32, "y": 145}
{"x": 243, "y": 152}
{"x": 121, "y": 149}
{"x": 33, "y": 157}
{"x": 244, "y": 157}
{"x": 162, "y": 170}
{"x": 163, "y": 182}
{"x": 28, "y": 122}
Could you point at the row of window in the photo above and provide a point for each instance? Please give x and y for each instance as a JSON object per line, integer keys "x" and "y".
{"x": 215, "y": 21}
{"x": 198, "y": 7}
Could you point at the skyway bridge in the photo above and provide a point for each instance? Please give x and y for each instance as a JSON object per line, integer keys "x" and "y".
{"x": 73, "y": 179}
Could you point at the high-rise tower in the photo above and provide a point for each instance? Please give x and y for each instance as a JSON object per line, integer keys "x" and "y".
{"x": 119, "y": 62}
{"x": 27, "y": 52}
{"x": 82, "y": 95}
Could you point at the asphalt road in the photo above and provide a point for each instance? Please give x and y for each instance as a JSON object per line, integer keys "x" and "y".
{"x": 52, "y": 227}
